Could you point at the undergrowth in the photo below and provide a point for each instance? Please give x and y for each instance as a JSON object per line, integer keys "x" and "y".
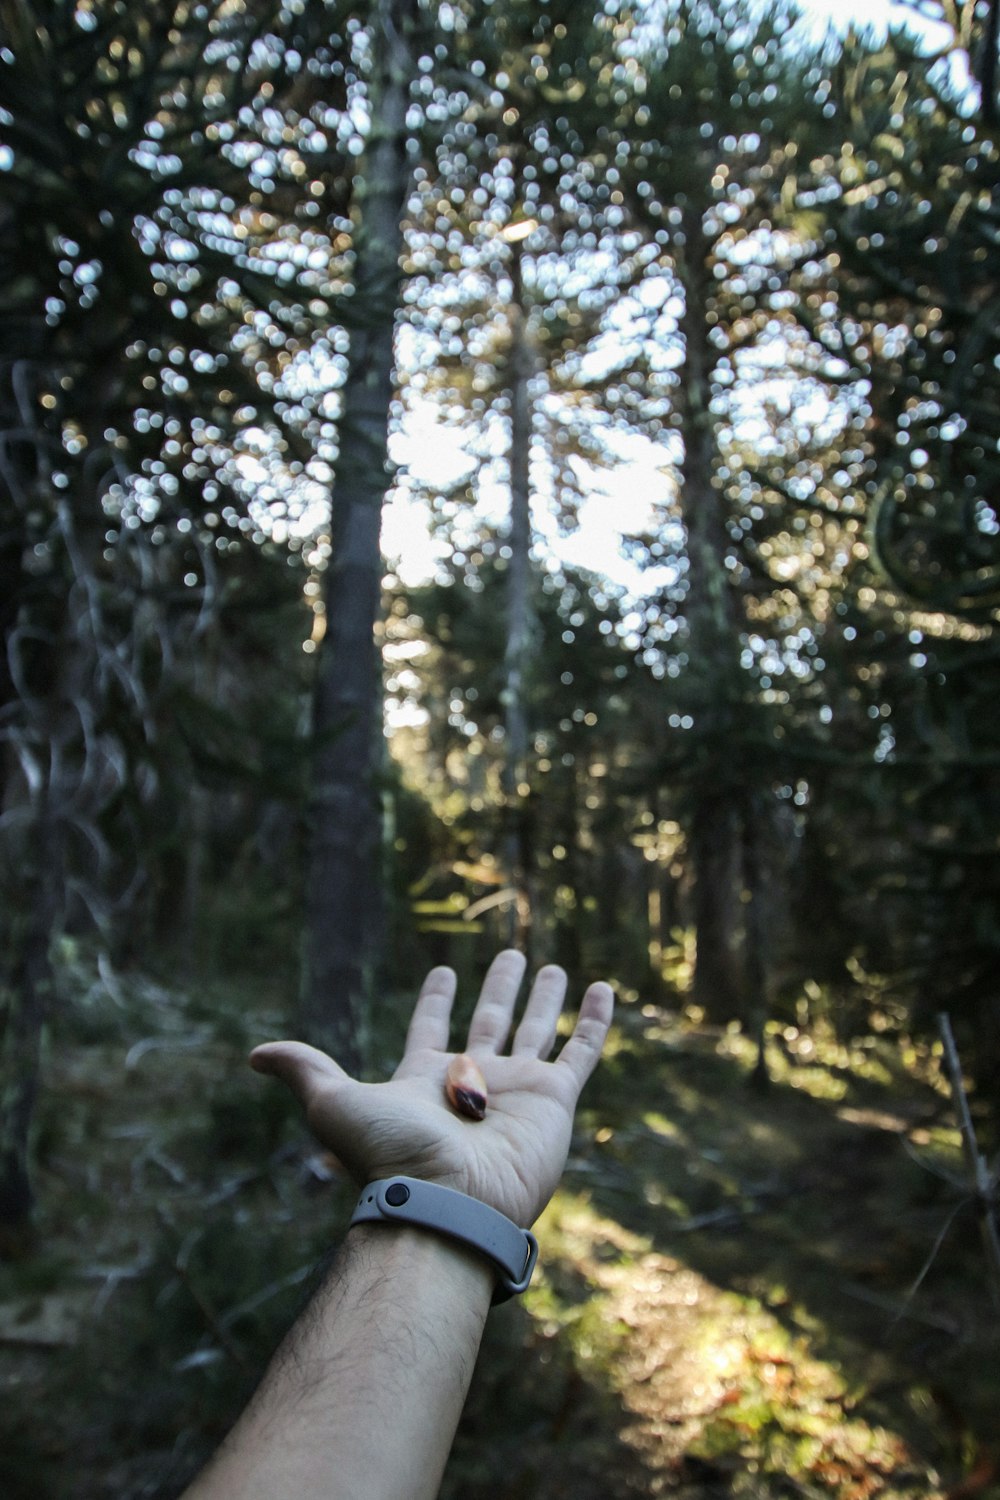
{"x": 722, "y": 1305}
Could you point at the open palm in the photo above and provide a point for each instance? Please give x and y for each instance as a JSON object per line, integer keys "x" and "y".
{"x": 513, "y": 1158}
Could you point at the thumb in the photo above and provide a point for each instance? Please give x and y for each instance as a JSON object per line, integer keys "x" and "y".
{"x": 304, "y": 1069}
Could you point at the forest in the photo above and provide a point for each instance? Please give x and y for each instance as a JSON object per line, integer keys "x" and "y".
{"x": 485, "y": 473}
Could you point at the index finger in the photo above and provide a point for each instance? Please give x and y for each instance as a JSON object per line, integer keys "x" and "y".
{"x": 583, "y": 1050}
{"x": 432, "y": 1013}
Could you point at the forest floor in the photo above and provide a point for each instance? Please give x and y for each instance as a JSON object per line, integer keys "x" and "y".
{"x": 723, "y": 1304}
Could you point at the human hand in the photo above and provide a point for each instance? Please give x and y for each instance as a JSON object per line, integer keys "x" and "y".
{"x": 514, "y": 1157}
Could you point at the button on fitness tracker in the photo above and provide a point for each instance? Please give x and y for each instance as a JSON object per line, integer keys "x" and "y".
{"x": 397, "y": 1194}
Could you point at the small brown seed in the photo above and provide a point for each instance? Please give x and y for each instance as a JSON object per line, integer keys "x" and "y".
{"x": 466, "y": 1087}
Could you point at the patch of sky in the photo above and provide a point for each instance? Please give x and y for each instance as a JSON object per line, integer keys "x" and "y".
{"x": 625, "y": 499}
{"x": 877, "y": 16}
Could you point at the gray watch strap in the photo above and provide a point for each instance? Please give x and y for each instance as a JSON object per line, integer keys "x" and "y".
{"x": 428, "y": 1205}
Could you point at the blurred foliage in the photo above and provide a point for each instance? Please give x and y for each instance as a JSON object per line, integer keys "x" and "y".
{"x": 148, "y": 185}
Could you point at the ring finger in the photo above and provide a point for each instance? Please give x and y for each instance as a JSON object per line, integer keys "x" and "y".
{"x": 536, "y": 1034}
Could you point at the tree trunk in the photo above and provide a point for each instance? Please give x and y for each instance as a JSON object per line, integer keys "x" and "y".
{"x": 342, "y": 898}
{"x": 25, "y": 1003}
{"x": 569, "y": 935}
{"x": 714, "y": 845}
{"x": 661, "y": 894}
{"x": 28, "y": 858}
{"x": 758, "y": 938}
{"x": 714, "y": 839}
{"x": 517, "y": 647}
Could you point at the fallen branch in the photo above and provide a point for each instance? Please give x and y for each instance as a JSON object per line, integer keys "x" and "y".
{"x": 983, "y": 1185}
{"x": 901, "y": 1309}
{"x": 728, "y": 1217}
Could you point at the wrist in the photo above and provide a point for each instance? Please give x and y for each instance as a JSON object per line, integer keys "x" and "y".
{"x": 401, "y": 1200}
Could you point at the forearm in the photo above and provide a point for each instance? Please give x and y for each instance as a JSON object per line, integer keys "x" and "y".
{"x": 362, "y": 1399}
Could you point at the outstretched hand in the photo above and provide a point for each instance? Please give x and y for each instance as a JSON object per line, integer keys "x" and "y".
{"x": 513, "y": 1158}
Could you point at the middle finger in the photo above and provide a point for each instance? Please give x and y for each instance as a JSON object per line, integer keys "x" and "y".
{"x": 495, "y": 1007}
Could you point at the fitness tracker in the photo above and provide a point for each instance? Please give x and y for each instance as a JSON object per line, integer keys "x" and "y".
{"x": 428, "y": 1205}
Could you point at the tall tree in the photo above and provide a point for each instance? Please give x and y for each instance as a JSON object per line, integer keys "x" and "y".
{"x": 342, "y": 892}
{"x": 716, "y": 113}
{"x": 517, "y": 646}
{"x": 917, "y": 235}
{"x": 872, "y": 501}
{"x": 517, "y": 268}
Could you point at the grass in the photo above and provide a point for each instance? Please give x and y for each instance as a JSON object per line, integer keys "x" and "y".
{"x": 721, "y": 1306}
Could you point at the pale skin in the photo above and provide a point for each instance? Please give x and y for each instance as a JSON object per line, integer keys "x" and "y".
{"x": 362, "y": 1400}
